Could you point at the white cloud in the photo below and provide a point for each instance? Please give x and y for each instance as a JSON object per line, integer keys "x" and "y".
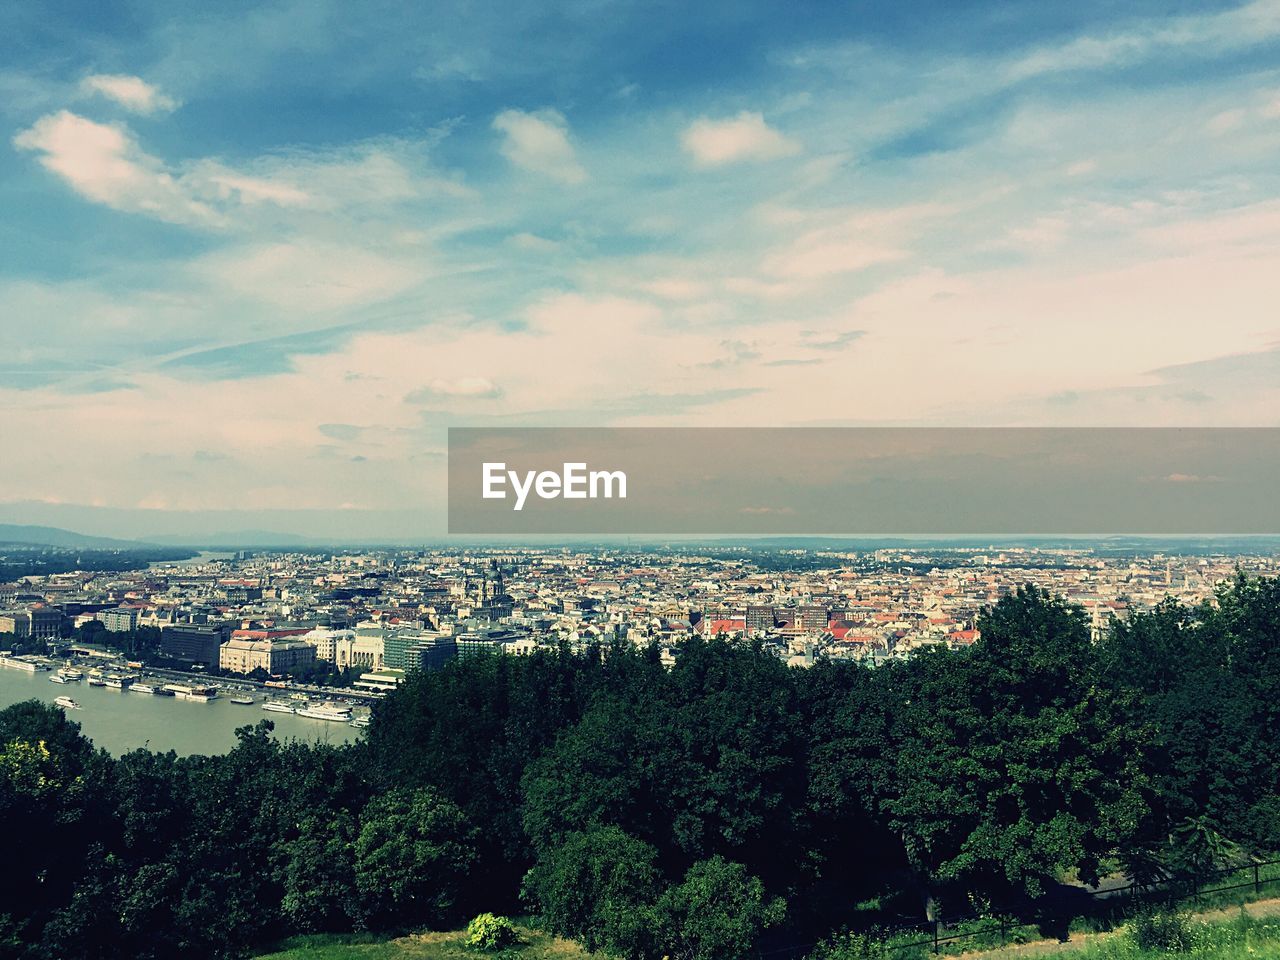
{"x": 1238, "y": 28}
{"x": 103, "y": 163}
{"x": 1226, "y": 121}
{"x": 852, "y": 243}
{"x": 309, "y": 275}
{"x": 228, "y": 185}
{"x": 132, "y": 93}
{"x": 714, "y": 143}
{"x": 461, "y": 387}
{"x": 539, "y": 142}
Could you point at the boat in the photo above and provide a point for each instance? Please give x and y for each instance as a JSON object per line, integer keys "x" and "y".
{"x": 66, "y": 703}
{"x": 325, "y": 711}
{"x": 242, "y": 701}
{"x": 276, "y": 706}
{"x": 57, "y": 678}
{"x": 22, "y": 663}
{"x": 118, "y": 681}
{"x": 361, "y": 722}
{"x": 192, "y": 691}
{"x": 143, "y": 688}
{"x": 96, "y": 681}
{"x": 72, "y": 673}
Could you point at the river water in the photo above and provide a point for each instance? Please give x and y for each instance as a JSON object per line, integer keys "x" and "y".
{"x": 120, "y": 720}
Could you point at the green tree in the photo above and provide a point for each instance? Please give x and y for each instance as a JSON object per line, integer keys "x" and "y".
{"x": 718, "y": 912}
{"x": 412, "y": 856}
{"x": 600, "y": 887}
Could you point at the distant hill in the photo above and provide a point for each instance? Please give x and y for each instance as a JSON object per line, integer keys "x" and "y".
{"x": 14, "y": 533}
{"x": 233, "y": 539}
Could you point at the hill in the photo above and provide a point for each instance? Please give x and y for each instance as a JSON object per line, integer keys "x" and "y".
{"x": 23, "y": 534}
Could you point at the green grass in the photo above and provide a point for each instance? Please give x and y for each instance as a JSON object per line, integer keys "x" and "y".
{"x": 450, "y": 945}
{"x": 1244, "y": 938}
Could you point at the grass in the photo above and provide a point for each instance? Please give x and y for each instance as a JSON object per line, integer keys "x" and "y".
{"x": 1243, "y": 938}
{"x": 449, "y": 945}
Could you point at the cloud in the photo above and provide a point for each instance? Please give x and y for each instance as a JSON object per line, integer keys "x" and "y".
{"x": 1248, "y": 25}
{"x": 539, "y": 142}
{"x": 132, "y": 93}
{"x": 714, "y": 143}
{"x": 1226, "y": 121}
{"x": 103, "y": 163}
{"x": 473, "y": 387}
{"x": 308, "y": 274}
{"x": 252, "y": 190}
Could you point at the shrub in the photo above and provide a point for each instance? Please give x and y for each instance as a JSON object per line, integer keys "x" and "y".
{"x": 490, "y": 932}
{"x": 1168, "y": 930}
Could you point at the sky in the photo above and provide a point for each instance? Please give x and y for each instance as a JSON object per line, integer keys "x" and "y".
{"x": 255, "y": 259}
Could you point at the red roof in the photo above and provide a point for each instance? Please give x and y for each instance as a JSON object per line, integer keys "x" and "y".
{"x": 727, "y": 626}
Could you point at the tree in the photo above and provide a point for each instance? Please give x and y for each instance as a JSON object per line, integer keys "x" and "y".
{"x": 1011, "y": 763}
{"x": 717, "y": 913}
{"x": 411, "y": 858}
{"x": 319, "y": 867}
{"x": 599, "y": 886}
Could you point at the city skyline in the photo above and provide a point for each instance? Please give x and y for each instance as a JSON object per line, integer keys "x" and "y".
{"x": 257, "y": 261}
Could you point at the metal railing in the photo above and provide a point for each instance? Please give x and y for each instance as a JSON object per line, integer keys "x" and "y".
{"x": 1109, "y": 903}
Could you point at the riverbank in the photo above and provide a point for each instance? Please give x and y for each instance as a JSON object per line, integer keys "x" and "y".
{"x": 124, "y": 720}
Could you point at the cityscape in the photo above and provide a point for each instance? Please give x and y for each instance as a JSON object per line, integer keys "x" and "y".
{"x": 364, "y": 619}
{"x": 622, "y": 480}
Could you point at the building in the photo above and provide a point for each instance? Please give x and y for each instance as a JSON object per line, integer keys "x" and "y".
{"x": 430, "y": 654}
{"x": 16, "y": 622}
{"x": 326, "y": 641}
{"x": 244, "y": 654}
{"x": 398, "y": 643}
{"x": 759, "y": 619}
{"x": 39, "y": 622}
{"x": 194, "y": 642}
{"x": 119, "y": 619}
{"x": 809, "y": 617}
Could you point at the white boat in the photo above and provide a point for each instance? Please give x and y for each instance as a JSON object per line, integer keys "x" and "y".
{"x": 57, "y": 678}
{"x": 66, "y": 703}
{"x": 117, "y": 681}
{"x": 72, "y": 673}
{"x": 361, "y": 722}
{"x": 242, "y": 701}
{"x": 192, "y": 691}
{"x": 96, "y": 681}
{"x": 143, "y": 688}
{"x": 276, "y": 706}
{"x": 325, "y": 711}
{"x": 21, "y": 663}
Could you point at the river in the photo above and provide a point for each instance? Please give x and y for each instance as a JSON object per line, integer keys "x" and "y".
{"x": 120, "y": 720}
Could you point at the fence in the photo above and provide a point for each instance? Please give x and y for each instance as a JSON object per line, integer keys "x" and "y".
{"x": 1110, "y": 903}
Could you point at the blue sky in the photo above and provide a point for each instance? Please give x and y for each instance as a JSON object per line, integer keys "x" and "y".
{"x": 254, "y": 259}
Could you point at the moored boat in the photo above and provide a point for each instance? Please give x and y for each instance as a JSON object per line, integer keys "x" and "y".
{"x": 276, "y": 706}
{"x": 192, "y": 691}
{"x": 325, "y": 711}
{"x": 57, "y": 678}
{"x": 23, "y": 663}
{"x": 66, "y": 703}
{"x": 242, "y": 701}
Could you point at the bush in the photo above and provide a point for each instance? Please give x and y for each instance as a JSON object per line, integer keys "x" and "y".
{"x": 1167, "y": 930}
{"x": 490, "y": 932}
